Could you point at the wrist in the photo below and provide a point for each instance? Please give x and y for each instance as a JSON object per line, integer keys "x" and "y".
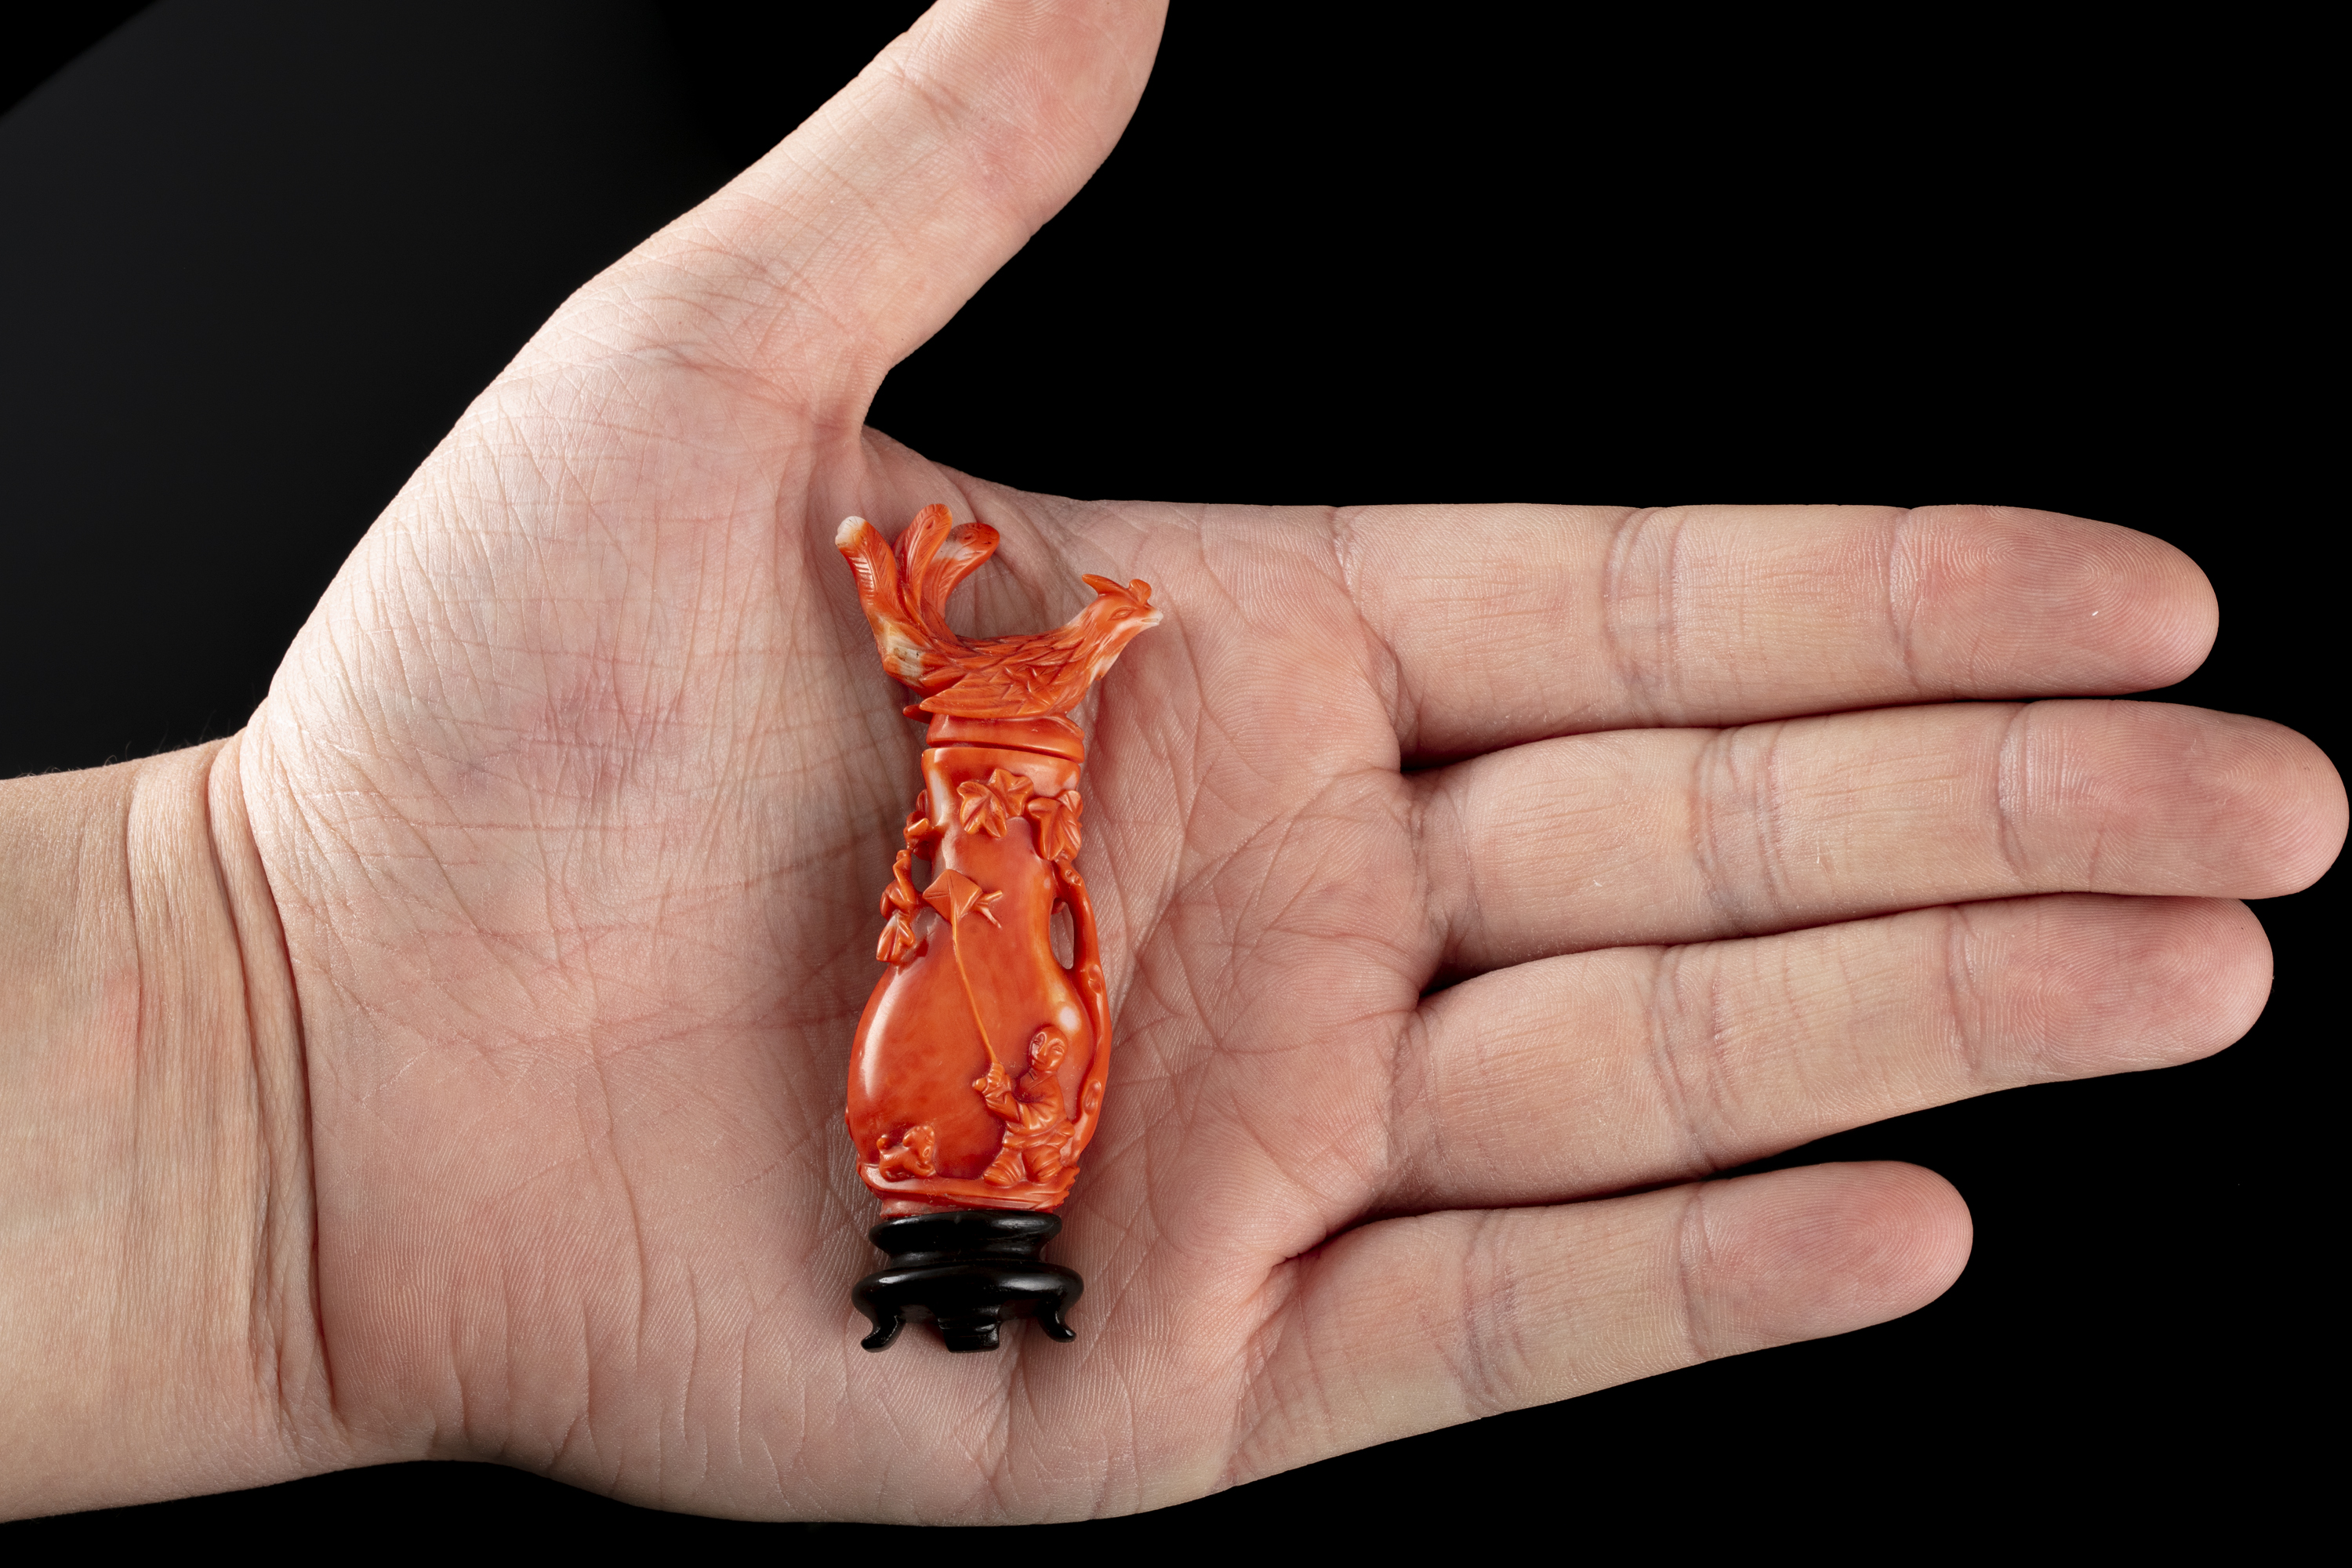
{"x": 158, "y": 1334}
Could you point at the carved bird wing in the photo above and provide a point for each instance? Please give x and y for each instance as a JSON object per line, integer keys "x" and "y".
{"x": 1009, "y": 678}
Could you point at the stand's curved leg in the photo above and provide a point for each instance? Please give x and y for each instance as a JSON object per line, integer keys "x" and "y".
{"x": 886, "y": 1318}
{"x": 1049, "y": 1312}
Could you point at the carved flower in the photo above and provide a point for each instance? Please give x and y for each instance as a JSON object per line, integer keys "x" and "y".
{"x": 983, "y": 807}
{"x": 1057, "y": 824}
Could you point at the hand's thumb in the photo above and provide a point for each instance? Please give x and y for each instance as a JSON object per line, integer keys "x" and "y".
{"x": 860, "y": 234}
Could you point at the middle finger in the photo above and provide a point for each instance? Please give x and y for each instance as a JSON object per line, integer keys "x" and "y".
{"x": 1677, "y": 835}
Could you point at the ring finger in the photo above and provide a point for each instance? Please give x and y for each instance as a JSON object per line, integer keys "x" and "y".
{"x": 1606, "y": 1070}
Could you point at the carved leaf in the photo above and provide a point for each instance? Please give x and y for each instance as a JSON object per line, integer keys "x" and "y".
{"x": 1058, "y": 824}
{"x": 980, "y": 808}
{"x": 983, "y": 807}
{"x": 1014, "y": 787}
{"x": 920, "y": 829}
{"x": 900, "y": 894}
{"x": 954, "y": 894}
{"x": 897, "y": 944}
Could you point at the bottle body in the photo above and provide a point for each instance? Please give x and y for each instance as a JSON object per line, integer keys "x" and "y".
{"x": 976, "y": 1076}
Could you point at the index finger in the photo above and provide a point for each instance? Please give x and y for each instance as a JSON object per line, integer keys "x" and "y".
{"x": 1501, "y": 624}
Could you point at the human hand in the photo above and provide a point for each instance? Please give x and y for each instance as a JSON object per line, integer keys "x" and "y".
{"x": 569, "y": 792}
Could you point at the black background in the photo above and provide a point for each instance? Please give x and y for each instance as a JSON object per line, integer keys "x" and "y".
{"x": 258, "y": 255}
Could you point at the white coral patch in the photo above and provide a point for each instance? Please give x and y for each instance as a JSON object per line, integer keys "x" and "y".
{"x": 902, "y": 655}
{"x": 846, "y": 535}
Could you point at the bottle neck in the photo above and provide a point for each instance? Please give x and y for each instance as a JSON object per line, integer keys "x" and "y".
{"x": 1052, "y": 735}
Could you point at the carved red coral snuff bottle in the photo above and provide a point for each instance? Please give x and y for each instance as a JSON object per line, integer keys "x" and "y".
{"x": 977, "y": 1076}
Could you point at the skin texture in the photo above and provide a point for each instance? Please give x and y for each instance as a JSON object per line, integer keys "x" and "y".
{"x": 452, "y": 1063}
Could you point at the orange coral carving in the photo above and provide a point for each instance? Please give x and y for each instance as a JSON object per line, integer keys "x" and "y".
{"x": 904, "y": 595}
{"x": 945, "y": 1106}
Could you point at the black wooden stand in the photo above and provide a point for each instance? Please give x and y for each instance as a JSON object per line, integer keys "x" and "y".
{"x": 967, "y": 1271}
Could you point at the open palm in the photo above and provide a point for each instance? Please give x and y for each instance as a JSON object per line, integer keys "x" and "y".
{"x": 576, "y": 794}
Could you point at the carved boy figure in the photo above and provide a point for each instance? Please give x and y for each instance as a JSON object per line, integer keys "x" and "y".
{"x": 1037, "y": 1130}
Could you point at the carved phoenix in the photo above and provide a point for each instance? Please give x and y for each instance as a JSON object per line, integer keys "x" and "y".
{"x": 905, "y": 596}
